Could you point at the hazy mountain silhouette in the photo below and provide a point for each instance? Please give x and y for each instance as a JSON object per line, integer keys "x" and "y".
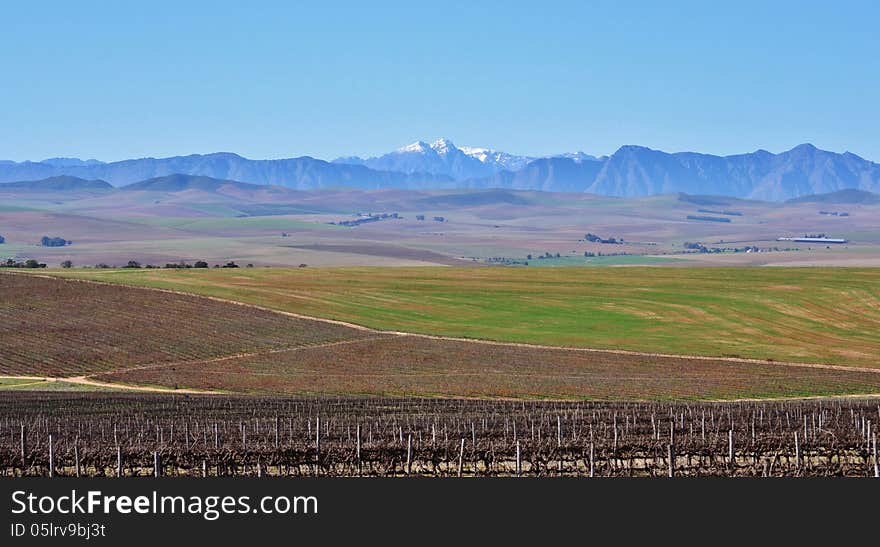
{"x": 632, "y": 171}
{"x": 301, "y": 173}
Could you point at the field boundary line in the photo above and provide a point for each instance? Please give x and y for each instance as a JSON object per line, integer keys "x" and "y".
{"x": 243, "y": 355}
{"x": 742, "y": 360}
{"x": 84, "y": 380}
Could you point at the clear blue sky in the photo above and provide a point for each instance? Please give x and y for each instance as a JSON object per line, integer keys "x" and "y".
{"x": 114, "y": 80}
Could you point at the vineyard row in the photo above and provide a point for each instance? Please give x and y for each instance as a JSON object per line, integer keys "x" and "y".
{"x": 127, "y": 435}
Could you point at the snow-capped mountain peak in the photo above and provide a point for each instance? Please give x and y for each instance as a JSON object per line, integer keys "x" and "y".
{"x": 442, "y": 157}
{"x": 578, "y": 157}
{"x": 481, "y": 154}
{"x": 418, "y": 146}
{"x": 499, "y": 160}
{"x": 443, "y": 146}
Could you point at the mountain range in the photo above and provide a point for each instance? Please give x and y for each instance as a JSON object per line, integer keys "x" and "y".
{"x": 442, "y": 157}
{"x": 304, "y": 173}
{"x": 632, "y": 171}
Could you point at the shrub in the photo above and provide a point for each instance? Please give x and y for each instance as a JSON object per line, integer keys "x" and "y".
{"x": 47, "y": 241}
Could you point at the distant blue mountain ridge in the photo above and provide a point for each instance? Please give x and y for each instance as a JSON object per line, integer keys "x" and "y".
{"x": 632, "y": 171}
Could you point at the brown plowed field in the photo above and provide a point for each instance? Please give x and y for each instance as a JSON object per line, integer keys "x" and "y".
{"x": 50, "y": 327}
{"x": 412, "y": 365}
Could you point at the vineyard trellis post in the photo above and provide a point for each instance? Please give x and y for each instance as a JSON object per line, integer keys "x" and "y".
{"x": 461, "y": 456}
{"x": 51, "y": 457}
{"x": 358, "y": 450}
{"x": 876, "y": 463}
{"x": 409, "y": 453}
{"x": 559, "y": 443}
{"x": 592, "y": 459}
{"x": 558, "y": 432}
{"x": 731, "y": 456}
{"x": 519, "y": 459}
{"x": 318, "y": 437}
{"x": 24, "y": 463}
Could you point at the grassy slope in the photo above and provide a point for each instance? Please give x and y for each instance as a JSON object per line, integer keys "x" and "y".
{"x": 826, "y": 315}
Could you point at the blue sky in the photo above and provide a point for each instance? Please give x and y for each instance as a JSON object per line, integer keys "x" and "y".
{"x": 114, "y": 80}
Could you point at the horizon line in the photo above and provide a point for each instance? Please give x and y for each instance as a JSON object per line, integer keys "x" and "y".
{"x": 399, "y": 149}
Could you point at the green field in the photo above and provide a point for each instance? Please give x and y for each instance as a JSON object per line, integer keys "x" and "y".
{"x": 818, "y": 315}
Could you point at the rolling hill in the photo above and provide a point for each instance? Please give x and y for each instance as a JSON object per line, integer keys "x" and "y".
{"x": 848, "y": 197}
{"x": 61, "y": 183}
{"x": 182, "y": 183}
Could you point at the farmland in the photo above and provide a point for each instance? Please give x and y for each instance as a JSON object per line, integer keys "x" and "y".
{"x": 247, "y": 390}
{"x": 43, "y": 434}
{"x": 104, "y": 335}
{"x": 278, "y": 227}
{"x": 814, "y": 315}
{"x": 408, "y": 365}
{"x": 75, "y": 328}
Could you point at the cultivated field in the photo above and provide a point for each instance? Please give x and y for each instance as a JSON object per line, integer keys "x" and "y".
{"x": 408, "y": 365}
{"x": 288, "y": 228}
{"x": 146, "y": 435}
{"x": 815, "y": 315}
{"x": 52, "y": 328}
{"x": 106, "y": 335}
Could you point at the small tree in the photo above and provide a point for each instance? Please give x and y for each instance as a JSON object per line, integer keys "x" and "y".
{"x": 67, "y": 264}
{"x": 133, "y": 264}
{"x": 200, "y": 264}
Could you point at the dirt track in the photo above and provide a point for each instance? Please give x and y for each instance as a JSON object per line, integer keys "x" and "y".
{"x": 84, "y": 380}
